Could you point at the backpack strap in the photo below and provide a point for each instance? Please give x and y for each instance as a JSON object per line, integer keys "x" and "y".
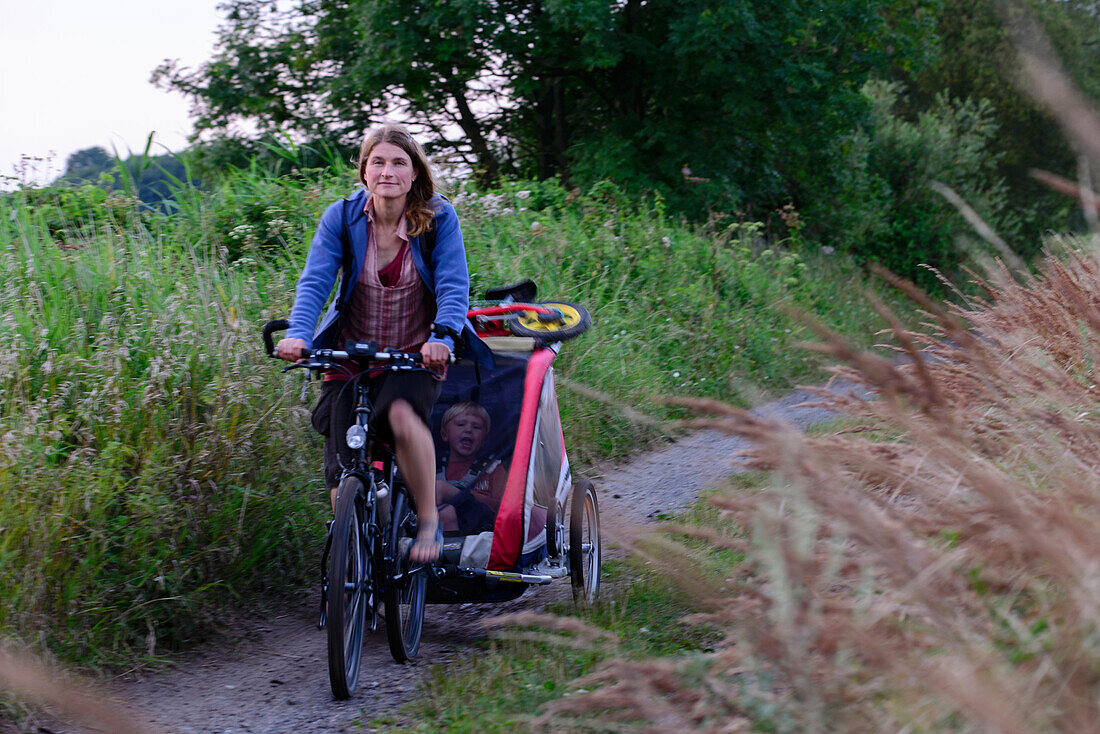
{"x": 346, "y": 258}
{"x": 427, "y": 243}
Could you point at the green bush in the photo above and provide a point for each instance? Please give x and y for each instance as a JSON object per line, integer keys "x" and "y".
{"x": 885, "y": 211}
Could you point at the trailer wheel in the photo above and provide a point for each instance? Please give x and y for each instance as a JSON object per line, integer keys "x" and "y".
{"x": 556, "y": 541}
{"x": 585, "y": 552}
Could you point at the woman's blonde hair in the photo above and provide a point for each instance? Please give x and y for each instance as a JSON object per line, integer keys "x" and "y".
{"x": 418, "y": 207}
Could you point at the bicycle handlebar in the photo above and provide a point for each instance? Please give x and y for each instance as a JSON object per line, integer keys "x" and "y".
{"x": 360, "y": 351}
{"x": 270, "y": 328}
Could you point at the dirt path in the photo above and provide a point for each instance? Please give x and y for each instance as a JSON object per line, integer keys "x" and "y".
{"x": 273, "y": 677}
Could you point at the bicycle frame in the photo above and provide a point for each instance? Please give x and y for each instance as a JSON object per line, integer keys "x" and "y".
{"x": 380, "y": 486}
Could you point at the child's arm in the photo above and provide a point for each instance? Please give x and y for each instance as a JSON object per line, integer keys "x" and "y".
{"x": 498, "y": 480}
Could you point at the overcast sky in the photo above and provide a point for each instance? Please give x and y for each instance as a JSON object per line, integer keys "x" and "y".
{"x": 76, "y": 74}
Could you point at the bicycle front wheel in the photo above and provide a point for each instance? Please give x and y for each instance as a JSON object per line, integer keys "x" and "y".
{"x": 406, "y": 592}
{"x": 349, "y": 589}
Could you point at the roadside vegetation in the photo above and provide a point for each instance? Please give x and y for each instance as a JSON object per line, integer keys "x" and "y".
{"x": 928, "y": 566}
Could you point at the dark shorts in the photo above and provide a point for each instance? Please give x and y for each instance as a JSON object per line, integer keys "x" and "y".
{"x": 335, "y": 412}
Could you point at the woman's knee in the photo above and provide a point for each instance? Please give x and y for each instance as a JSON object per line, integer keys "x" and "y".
{"x": 403, "y": 418}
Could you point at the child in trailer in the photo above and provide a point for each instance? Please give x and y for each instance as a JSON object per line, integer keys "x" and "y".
{"x": 468, "y": 488}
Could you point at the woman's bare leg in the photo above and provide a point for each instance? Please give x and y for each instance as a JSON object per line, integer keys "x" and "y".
{"x": 416, "y": 459}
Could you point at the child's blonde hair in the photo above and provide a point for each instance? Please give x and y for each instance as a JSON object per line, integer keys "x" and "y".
{"x": 463, "y": 408}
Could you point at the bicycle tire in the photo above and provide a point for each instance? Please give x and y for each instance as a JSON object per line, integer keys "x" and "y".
{"x": 404, "y": 600}
{"x": 349, "y": 590}
{"x": 585, "y": 552}
{"x": 574, "y": 322}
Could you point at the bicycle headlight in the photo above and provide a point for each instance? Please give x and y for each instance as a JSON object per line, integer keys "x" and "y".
{"x": 356, "y": 437}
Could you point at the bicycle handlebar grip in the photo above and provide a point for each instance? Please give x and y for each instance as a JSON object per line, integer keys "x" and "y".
{"x": 269, "y": 328}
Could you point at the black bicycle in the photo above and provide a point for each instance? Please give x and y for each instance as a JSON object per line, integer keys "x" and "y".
{"x": 365, "y": 562}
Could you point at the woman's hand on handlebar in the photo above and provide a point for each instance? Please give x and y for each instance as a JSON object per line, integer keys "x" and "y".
{"x": 435, "y": 354}
{"x": 290, "y": 349}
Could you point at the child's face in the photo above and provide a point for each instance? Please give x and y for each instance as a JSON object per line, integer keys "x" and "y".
{"x": 464, "y": 434}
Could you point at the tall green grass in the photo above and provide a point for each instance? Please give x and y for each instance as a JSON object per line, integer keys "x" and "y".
{"x": 152, "y": 468}
{"x": 678, "y": 310}
{"x": 156, "y": 469}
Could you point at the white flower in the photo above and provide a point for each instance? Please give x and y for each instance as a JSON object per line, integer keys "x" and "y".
{"x": 535, "y": 225}
{"x": 675, "y": 374}
{"x": 522, "y": 194}
{"x": 826, "y": 250}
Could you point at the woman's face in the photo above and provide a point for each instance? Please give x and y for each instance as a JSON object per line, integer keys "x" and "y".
{"x": 389, "y": 172}
{"x": 464, "y": 434}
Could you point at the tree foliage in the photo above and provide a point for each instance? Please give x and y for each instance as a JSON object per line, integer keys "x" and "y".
{"x": 976, "y": 59}
{"x": 152, "y": 178}
{"x": 712, "y": 102}
{"x": 746, "y": 109}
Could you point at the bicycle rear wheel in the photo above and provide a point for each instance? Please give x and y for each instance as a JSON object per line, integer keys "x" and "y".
{"x": 349, "y": 589}
{"x": 404, "y": 598}
{"x": 585, "y": 553}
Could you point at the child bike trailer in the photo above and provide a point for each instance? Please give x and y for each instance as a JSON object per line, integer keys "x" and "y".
{"x": 513, "y": 514}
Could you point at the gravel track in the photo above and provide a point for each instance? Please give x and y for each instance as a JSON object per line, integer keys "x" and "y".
{"x": 271, "y": 676}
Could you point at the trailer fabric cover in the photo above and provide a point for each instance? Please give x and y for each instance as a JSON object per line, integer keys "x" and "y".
{"x": 513, "y": 518}
{"x": 548, "y": 467}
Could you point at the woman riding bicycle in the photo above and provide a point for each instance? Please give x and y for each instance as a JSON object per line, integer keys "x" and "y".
{"x": 391, "y": 294}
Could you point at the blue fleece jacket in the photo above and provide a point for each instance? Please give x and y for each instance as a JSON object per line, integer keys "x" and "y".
{"x": 446, "y": 276}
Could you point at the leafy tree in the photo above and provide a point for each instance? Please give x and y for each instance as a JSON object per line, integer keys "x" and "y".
{"x": 89, "y": 159}
{"x": 152, "y": 178}
{"x": 714, "y": 103}
{"x": 976, "y": 59}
